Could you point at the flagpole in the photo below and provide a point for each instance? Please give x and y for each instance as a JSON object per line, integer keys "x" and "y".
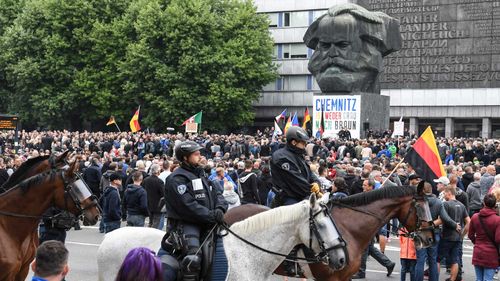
{"x": 118, "y": 127}
{"x": 395, "y": 168}
{"x": 201, "y": 121}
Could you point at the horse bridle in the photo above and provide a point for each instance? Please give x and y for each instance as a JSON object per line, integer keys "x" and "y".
{"x": 67, "y": 187}
{"x": 313, "y": 229}
{"x": 322, "y": 256}
{"x": 404, "y": 221}
{"x": 419, "y": 228}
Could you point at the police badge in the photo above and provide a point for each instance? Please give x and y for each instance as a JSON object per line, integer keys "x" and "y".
{"x": 285, "y": 166}
{"x": 181, "y": 189}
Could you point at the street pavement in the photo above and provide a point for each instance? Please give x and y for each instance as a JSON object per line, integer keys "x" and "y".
{"x": 83, "y": 244}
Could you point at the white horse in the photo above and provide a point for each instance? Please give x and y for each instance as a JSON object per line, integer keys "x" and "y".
{"x": 116, "y": 245}
{"x": 277, "y": 230}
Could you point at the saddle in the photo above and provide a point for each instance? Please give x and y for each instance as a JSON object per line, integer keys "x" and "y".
{"x": 214, "y": 262}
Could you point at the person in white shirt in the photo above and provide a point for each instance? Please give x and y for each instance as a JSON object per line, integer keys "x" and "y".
{"x": 166, "y": 171}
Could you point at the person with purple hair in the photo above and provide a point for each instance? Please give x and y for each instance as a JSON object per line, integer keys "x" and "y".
{"x": 140, "y": 264}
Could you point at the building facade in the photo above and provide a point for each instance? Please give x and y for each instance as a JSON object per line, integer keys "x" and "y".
{"x": 447, "y": 74}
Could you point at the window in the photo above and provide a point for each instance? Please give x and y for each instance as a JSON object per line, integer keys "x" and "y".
{"x": 294, "y": 51}
{"x": 294, "y": 83}
{"x": 270, "y": 87}
{"x": 299, "y": 19}
{"x": 296, "y": 19}
{"x": 273, "y": 17}
{"x": 315, "y": 86}
{"x": 319, "y": 13}
{"x": 276, "y": 52}
{"x": 287, "y": 19}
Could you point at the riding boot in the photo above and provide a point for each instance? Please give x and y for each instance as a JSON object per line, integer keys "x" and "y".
{"x": 292, "y": 268}
{"x": 191, "y": 263}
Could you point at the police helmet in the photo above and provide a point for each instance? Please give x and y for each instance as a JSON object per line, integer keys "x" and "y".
{"x": 296, "y": 133}
{"x": 185, "y": 148}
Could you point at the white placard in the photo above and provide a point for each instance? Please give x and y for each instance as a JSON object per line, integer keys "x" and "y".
{"x": 191, "y": 127}
{"x": 399, "y": 128}
{"x": 339, "y": 112}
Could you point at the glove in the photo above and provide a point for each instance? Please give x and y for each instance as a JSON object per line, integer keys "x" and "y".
{"x": 218, "y": 216}
{"x": 316, "y": 189}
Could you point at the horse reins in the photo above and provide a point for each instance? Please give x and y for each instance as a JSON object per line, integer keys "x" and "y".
{"x": 337, "y": 203}
{"x": 405, "y": 220}
{"x": 66, "y": 193}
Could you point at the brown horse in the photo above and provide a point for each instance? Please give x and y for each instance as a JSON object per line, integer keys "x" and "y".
{"x": 22, "y": 207}
{"x": 34, "y": 166}
{"x": 359, "y": 218}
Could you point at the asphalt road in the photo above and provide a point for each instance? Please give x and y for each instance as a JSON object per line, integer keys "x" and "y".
{"x": 83, "y": 246}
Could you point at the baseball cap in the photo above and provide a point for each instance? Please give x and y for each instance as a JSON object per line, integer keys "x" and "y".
{"x": 414, "y": 177}
{"x": 443, "y": 180}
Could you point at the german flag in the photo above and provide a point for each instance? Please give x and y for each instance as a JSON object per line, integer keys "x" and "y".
{"x": 111, "y": 121}
{"x": 424, "y": 157}
{"x": 321, "y": 127}
{"x": 134, "y": 122}
{"x": 307, "y": 118}
{"x": 288, "y": 123}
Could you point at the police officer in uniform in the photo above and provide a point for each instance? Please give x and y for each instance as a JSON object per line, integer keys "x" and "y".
{"x": 193, "y": 206}
{"x": 293, "y": 179}
{"x": 291, "y": 175}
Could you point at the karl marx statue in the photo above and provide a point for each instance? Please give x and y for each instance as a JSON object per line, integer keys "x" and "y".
{"x": 349, "y": 43}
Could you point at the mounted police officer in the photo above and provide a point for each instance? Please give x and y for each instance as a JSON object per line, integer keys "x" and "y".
{"x": 193, "y": 207}
{"x": 291, "y": 175}
{"x": 293, "y": 179}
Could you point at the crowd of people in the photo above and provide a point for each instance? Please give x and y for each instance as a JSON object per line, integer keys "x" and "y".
{"x": 128, "y": 173}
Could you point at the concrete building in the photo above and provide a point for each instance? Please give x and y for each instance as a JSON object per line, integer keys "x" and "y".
{"x": 447, "y": 75}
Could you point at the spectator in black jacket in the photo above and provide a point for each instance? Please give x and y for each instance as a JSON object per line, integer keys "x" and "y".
{"x": 249, "y": 184}
{"x": 265, "y": 184}
{"x": 141, "y": 167}
{"x": 111, "y": 205}
{"x": 3, "y": 173}
{"x": 92, "y": 175}
{"x": 154, "y": 189}
{"x": 135, "y": 202}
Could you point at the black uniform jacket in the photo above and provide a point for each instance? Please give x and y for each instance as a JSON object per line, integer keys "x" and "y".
{"x": 291, "y": 173}
{"x": 191, "y": 197}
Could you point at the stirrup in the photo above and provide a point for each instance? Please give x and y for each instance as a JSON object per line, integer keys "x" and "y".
{"x": 293, "y": 269}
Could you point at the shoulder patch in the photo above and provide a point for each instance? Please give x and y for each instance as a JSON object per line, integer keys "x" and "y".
{"x": 285, "y": 166}
{"x": 181, "y": 189}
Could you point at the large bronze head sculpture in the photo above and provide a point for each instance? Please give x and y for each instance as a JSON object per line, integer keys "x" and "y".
{"x": 349, "y": 43}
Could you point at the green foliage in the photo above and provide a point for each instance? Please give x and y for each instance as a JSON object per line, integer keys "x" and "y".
{"x": 71, "y": 61}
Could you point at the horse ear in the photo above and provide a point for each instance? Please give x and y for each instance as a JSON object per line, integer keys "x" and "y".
{"x": 73, "y": 167}
{"x": 420, "y": 188}
{"x": 62, "y": 157}
{"x": 313, "y": 200}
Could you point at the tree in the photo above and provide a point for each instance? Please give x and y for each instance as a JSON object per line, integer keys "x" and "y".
{"x": 9, "y": 9}
{"x": 192, "y": 55}
{"x": 45, "y": 51}
{"x": 72, "y": 61}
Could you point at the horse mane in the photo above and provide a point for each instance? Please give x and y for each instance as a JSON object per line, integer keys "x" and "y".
{"x": 268, "y": 219}
{"x": 388, "y": 192}
{"x": 17, "y": 176}
{"x": 26, "y": 184}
